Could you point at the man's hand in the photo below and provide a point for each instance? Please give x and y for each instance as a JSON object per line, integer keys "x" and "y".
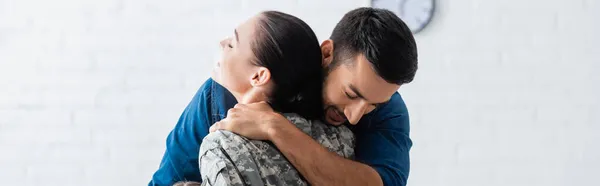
{"x": 253, "y": 120}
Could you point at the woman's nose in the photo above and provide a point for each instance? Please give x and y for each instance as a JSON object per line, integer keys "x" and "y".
{"x": 222, "y": 43}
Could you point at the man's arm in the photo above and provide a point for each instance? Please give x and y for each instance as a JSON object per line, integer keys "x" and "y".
{"x": 382, "y": 148}
{"x": 382, "y": 144}
{"x": 180, "y": 161}
{"x": 317, "y": 164}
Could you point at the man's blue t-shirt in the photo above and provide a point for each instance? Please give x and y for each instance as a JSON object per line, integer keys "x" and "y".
{"x": 382, "y": 138}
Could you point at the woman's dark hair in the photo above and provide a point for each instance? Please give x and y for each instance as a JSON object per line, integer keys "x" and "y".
{"x": 289, "y": 48}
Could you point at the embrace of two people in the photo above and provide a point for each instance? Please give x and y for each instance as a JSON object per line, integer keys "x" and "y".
{"x": 280, "y": 109}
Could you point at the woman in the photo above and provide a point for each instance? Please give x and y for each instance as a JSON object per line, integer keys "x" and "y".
{"x": 272, "y": 57}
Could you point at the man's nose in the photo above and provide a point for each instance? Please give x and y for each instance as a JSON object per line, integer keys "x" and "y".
{"x": 355, "y": 112}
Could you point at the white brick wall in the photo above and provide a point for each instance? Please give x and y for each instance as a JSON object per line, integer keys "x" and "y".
{"x": 507, "y": 91}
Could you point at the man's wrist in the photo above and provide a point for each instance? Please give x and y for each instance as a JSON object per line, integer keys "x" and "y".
{"x": 276, "y": 124}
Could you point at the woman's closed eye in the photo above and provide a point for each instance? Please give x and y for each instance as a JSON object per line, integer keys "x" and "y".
{"x": 226, "y": 43}
{"x": 229, "y": 43}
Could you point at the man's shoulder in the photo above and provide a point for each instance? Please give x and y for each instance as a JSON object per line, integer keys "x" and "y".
{"x": 210, "y": 89}
{"x": 216, "y": 98}
{"x": 392, "y": 114}
{"x": 395, "y": 106}
{"x": 206, "y": 87}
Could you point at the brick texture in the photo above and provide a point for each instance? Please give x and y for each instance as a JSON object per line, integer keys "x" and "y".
{"x": 506, "y": 94}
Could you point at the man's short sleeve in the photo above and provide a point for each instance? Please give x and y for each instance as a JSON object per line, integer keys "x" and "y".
{"x": 383, "y": 142}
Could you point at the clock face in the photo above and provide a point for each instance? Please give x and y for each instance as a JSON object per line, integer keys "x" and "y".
{"x": 415, "y": 13}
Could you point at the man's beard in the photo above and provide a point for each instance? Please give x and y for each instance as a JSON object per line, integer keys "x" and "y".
{"x": 328, "y": 105}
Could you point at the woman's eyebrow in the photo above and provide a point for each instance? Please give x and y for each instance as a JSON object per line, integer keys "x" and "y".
{"x": 237, "y": 39}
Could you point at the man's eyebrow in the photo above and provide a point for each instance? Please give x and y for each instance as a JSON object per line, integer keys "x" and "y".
{"x": 236, "y": 35}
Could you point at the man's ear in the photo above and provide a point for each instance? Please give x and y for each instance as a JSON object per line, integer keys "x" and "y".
{"x": 327, "y": 52}
{"x": 261, "y": 77}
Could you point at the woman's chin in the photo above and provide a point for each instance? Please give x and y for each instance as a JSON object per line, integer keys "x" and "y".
{"x": 215, "y": 75}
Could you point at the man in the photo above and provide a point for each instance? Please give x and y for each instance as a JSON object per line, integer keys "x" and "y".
{"x": 369, "y": 55}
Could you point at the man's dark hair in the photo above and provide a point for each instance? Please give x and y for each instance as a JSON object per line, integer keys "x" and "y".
{"x": 289, "y": 48}
{"x": 382, "y": 38}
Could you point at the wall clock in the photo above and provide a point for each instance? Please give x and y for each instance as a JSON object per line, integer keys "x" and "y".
{"x": 415, "y": 13}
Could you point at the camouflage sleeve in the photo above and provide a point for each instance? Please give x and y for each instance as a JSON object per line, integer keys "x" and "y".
{"x": 229, "y": 159}
{"x": 215, "y": 163}
{"x": 338, "y": 139}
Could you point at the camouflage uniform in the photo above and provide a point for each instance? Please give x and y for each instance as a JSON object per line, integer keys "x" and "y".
{"x": 229, "y": 159}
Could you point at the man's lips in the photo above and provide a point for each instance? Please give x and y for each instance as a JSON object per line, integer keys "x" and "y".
{"x": 335, "y": 116}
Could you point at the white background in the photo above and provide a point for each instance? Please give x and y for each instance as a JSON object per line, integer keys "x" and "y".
{"x": 507, "y": 92}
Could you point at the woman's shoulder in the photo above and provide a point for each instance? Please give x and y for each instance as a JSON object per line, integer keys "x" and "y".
{"x": 337, "y": 139}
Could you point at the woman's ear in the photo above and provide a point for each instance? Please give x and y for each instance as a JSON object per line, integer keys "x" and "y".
{"x": 261, "y": 77}
{"x": 327, "y": 52}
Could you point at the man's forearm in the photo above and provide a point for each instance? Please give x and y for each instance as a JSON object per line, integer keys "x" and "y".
{"x": 318, "y": 165}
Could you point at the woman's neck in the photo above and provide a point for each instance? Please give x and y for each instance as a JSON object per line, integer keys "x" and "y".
{"x": 252, "y": 96}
